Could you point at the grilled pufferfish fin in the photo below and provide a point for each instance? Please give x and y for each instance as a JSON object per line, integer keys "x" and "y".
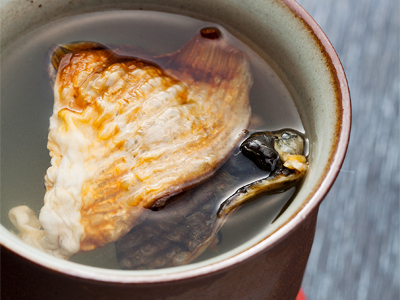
{"x": 125, "y": 134}
{"x": 178, "y": 233}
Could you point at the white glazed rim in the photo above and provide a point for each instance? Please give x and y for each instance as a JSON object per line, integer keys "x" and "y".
{"x": 10, "y": 241}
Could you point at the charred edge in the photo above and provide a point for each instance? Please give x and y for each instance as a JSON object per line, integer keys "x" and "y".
{"x": 210, "y": 33}
{"x": 74, "y": 47}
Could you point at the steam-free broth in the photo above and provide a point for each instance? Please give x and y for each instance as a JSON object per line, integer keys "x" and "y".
{"x": 27, "y": 104}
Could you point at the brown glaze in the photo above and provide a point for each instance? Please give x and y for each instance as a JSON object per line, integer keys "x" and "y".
{"x": 343, "y": 111}
{"x": 273, "y": 275}
{"x": 342, "y": 93}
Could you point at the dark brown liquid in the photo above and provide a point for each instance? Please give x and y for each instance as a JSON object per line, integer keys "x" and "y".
{"x": 27, "y": 102}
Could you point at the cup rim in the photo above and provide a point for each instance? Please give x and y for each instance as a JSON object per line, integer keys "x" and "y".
{"x": 312, "y": 202}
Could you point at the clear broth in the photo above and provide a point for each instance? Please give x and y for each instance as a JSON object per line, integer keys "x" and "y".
{"x": 27, "y": 103}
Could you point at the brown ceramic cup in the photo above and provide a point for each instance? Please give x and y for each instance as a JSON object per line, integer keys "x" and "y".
{"x": 270, "y": 267}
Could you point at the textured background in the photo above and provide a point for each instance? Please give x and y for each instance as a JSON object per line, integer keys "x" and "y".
{"x": 356, "y": 250}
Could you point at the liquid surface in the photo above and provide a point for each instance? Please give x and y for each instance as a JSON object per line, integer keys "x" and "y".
{"x": 27, "y": 102}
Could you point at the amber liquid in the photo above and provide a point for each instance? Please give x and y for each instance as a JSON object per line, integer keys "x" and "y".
{"x": 27, "y": 104}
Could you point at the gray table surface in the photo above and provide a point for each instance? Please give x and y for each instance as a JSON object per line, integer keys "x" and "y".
{"x": 356, "y": 250}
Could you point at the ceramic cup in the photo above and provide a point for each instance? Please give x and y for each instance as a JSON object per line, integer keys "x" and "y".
{"x": 272, "y": 265}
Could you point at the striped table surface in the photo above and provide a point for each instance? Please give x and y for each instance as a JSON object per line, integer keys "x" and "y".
{"x": 356, "y": 250}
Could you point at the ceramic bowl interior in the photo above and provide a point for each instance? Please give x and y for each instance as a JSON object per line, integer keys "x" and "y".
{"x": 304, "y": 60}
